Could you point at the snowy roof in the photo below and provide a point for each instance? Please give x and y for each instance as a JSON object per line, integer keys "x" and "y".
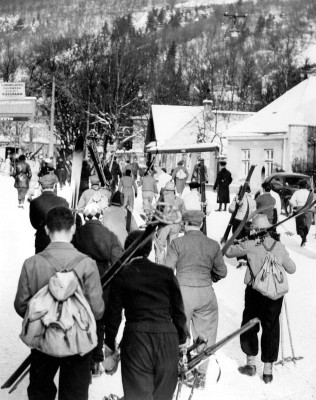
{"x": 295, "y": 107}
{"x": 176, "y": 128}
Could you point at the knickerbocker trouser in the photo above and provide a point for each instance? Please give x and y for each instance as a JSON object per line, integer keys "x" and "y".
{"x": 268, "y": 311}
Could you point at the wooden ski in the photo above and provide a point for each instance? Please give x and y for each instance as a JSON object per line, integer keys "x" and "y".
{"x": 76, "y": 171}
{"x": 240, "y": 197}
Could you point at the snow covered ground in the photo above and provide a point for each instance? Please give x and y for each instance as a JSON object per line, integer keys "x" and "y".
{"x": 291, "y": 381}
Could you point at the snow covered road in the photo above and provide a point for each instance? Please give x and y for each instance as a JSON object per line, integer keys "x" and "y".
{"x": 291, "y": 381}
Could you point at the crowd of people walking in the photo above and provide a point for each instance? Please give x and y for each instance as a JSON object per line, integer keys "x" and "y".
{"x": 167, "y": 303}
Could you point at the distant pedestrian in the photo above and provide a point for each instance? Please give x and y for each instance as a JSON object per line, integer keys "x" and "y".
{"x": 116, "y": 174}
{"x": 151, "y": 299}
{"x": 61, "y": 168}
{"x": 198, "y": 262}
{"x": 304, "y": 221}
{"x": 256, "y": 304}
{"x": 180, "y": 174}
{"x": 40, "y": 207}
{"x": 265, "y": 200}
{"x": 135, "y": 168}
{"x": 7, "y": 167}
{"x": 74, "y": 371}
{"x": 222, "y": 182}
{"x": 34, "y": 184}
{"x": 149, "y": 190}
{"x": 128, "y": 187}
{"x": 167, "y": 233}
{"x": 22, "y": 174}
{"x": 199, "y": 173}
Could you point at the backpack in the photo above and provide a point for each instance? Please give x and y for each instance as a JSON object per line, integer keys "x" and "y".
{"x": 59, "y": 321}
{"x": 181, "y": 174}
{"x": 271, "y": 280}
{"x": 100, "y": 199}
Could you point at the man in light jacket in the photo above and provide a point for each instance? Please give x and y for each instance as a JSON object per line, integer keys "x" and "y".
{"x": 36, "y": 272}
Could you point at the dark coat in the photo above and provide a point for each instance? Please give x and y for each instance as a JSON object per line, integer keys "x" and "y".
{"x": 223, "y": 180}
{"x": 116, "y": 170}
{"x": 39, "y": 208}
{"x": 22, "y": 174}
{"x": 99, "y": 243}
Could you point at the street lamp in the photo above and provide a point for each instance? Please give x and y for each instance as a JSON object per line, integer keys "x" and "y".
{"x": 234, "y": 32}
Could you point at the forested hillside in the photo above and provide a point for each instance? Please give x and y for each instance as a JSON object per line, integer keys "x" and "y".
{"x": 117, "y": 58}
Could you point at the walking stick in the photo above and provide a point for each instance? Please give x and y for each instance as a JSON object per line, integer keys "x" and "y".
{"x": 293, "y": 358}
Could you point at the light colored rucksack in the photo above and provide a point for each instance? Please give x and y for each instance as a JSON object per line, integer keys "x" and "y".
{"x": 181, "y": 174}
{"x": 59, "y": 321}
{"x": 271, "y": 280}
{"x": 100, "y": 199}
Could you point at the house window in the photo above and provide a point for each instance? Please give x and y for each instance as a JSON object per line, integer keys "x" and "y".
{"x": 245, "y": 161}
{"x": 268, "y": 161}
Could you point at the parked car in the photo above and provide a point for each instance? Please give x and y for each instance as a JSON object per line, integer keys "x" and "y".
{"x": 285, "y": 184}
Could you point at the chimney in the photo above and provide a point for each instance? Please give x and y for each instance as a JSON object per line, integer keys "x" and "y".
{"x": 208, "y": 114}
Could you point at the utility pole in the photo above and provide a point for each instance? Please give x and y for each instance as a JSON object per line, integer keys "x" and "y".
{"x": 52, "y": 118}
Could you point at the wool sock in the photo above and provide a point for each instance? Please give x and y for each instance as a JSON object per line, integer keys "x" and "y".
{"x": 267, "y": 368}
{"x": 251, "y": 360}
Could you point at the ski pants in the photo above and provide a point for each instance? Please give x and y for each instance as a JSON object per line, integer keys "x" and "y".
{"x": 268, "y": 311}
{"x": 74, "y": 377}
{"x": 128, "y": 198}
{"x": 201, "y": 311}
{"x": 149, "y": 365}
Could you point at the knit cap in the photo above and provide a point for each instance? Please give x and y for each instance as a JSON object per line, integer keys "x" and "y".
{"x": 92, "y": 210}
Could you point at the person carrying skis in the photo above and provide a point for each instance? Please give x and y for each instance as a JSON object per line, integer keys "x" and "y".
{"x": 88, "y": 194}
{"x": 247, "y": 202}
{"x": 198, "y": 262}
{"x": 180, "y": 174}
{"x": 258, "y": 305}
{"x": 155, "y": 325}
{"x": 128, "y": 187}
{"x": 266, "y": 199}
{"x": 74, "y": 375}
{"x": 103, "y": 246}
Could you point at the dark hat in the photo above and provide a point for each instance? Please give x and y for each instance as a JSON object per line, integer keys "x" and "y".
{"x": 180, "y": 162}
{"x": 47, "y": 181}
{"x": 144, "y": 250}
{"x": 222, "y": 163}
{"x": 303, "y": 184}
{"x": 94, "y": 179}
{"x": 201, "y": 159}
{"x": 194, "y": 185}
{"x": 116, "y": 199}
{"x": 194, "y": 217}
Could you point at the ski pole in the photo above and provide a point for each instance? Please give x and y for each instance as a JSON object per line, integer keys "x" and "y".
{"x": 282, "y": 361}
{"x": 293, "y": 358}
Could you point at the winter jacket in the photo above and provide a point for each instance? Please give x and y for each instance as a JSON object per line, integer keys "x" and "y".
{"x": 114, "y": 218}
{"x": 22, "y": 174}
{"x": 151, "y": 298}
{"x": 127, "y": 184}
{"x": 255, "y": 253}
{"x": 99, "y": 243}
{"x": 36, "y": 273}
{"x": 149, "y": 184}
{"x": 197, "y": 259}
